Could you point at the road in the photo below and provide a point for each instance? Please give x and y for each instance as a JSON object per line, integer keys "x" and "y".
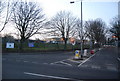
{"x": 101, "y": 65}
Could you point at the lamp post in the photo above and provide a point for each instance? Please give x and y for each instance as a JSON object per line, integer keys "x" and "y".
{"x": 81, "y": 28}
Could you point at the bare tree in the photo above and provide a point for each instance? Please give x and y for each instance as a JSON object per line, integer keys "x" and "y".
{"x": 63, "y": 25}
{"x": 2, "y": 6}
{"x": 28, "y": 18}
{"x": 8, "y": 38}
{"x": 96, "y": 30}
{"x": 5, "y": 13}
{"x": 115, "y": 28}
{"x": 81, "y": 35}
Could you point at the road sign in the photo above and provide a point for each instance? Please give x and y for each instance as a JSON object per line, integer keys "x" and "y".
{"x": 31, "y": 44}
{"x": 9, "y": 45}
{"x": 77, "y": 54}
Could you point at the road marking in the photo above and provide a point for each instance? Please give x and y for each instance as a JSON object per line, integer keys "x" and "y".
{"x": 118, "y": 59}
{"x": 95, "y": 67}
{"x": 45, "y": 63}
{"x": 56, "y": 77}
{"x": 62, "y": 62}
{"x": 25, "y": 61}
{"x": 85, "y": 66}
{"x": 86, "y": 60}
{"x": 55, "y": 62}
{"x": 58, "y": 61}
{"x": 112, "y": 68}
{"x": 65, "y": 63}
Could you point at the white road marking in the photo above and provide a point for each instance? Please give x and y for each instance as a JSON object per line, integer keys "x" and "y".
{"x": 85, "y": 66}
{"x": 112, "y": 68}
{"x": 25, "y": 61}
{"x": 65, "y": 63}
{"x": 86, "y": 60}
{"x": 45, "y": 63}
{"x": 62, "y": 62}
{"x": 95, "y": 67}
{"x": 118, "y": 59}
{"x": 56, "y": 77}
{"x": 57, "y": 61}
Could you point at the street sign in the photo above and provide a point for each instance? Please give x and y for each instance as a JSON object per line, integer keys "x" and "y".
{"x": 9, "y": 45}
{"x": 31, "y": 44}
{"x": 77, "y": 54}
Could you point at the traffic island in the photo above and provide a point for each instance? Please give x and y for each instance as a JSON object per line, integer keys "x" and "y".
{"x": 77, "y": 59}
{"x": 86, "y": 54}
{"x": 77, "y": 55}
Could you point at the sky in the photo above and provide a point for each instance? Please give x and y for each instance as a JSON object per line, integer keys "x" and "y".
{"x": 105, "y": 10}
{"x": 92, "y": 9}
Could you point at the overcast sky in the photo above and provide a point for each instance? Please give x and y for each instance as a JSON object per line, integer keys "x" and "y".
{"x": 106, "y": 9}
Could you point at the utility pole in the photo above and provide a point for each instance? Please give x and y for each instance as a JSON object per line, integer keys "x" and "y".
{"x": 81, "y": 32}
{"x": 81, "y": 28}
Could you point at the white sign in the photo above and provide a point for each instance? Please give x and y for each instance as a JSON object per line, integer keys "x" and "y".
{"x": 9, "y": 45}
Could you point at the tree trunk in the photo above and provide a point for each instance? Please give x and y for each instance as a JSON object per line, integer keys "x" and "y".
{"x": 21, "y": 45}
{"x": 65, "y": 45}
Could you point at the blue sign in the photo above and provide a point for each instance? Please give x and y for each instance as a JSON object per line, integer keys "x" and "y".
{"x": 9, "y": 45}
{"x": 77, "y": 51}
{"x": 31, "y": 44}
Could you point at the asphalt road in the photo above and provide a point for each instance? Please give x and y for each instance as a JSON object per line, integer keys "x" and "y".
{"x": 101, "y": 65}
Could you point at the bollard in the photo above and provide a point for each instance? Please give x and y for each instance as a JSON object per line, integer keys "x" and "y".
{"x": 85, "y": 53}
{"x": 99, "y": 49}
{"x": 77, "y": 54}
{"x": 92, "y": 51}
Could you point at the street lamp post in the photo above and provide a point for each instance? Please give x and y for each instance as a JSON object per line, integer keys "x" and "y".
{"x": 81, "y": 28}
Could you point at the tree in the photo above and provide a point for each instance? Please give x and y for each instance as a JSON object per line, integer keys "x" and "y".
{"x": 96, "y": 30}
{"x": 5, "y": 13}
{"x": 8, "y": 38}
{"x": 63, "y": 25}
{"x": 115, "y": 28}
{"x": 28, "y": 18}
{"x": 82, "y": 35}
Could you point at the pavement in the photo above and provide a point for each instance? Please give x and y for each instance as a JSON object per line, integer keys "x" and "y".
{"x": 101, "y": 65}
